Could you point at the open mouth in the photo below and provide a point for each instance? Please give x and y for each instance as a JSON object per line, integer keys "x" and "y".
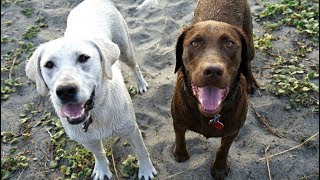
{"x": 210, "y": 98}
{"x": 77, "y": 113}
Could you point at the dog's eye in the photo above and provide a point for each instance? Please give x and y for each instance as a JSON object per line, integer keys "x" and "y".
{"x": 83, "y": 58}
{"x": 49, "y": 65}
{"x": 194, "y": 43}
{"x": 229, "y": 43}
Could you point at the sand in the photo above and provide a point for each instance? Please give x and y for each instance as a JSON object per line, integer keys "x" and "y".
{"x": 153, "y": 33}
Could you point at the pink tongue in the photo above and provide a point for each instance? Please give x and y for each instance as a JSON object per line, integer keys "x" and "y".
{"x": 72, "y": 110}
{"x": 210, "y": 97}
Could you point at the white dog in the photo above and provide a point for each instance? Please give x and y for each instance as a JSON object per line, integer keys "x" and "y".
{"x": 83, "y": 77}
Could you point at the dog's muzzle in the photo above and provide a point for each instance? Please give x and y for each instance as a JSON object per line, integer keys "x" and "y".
{"x": 77, "y": 113}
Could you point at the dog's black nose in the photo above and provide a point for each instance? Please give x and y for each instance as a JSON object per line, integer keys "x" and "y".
{"x": 213, "y": 71}
{"x": 67, "y": 93}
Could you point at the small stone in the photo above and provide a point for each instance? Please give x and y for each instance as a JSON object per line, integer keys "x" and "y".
{"x": 287, "y": 107}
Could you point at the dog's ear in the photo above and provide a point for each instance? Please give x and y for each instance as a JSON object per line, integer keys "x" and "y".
{"x": 109, "y": 53}
{"x": 33, "y": 70}
{"x": 245, "y": 54}
{"x": 179, "y": 49}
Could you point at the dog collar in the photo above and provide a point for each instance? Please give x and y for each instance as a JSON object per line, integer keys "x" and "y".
{"x": 86, "y": 124}
{"x": 89, "y": 106}
{"x": 215, "y": 122}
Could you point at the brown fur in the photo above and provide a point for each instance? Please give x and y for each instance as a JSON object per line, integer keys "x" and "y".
{"x": 234, "y": 12}
{"x": 213, "y": 44}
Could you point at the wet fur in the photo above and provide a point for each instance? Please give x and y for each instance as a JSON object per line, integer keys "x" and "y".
{"x": 236, "y": 13}
{"x": 102, "y": 34}
{"x": 184, "y": 108}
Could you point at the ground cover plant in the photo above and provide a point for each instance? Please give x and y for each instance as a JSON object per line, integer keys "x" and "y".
{"x": 286, "y": 65}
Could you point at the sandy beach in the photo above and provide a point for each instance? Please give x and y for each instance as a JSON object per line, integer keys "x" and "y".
{"x": 153, "y": 33}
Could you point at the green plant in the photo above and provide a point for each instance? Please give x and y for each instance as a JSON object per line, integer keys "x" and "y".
{"x": 31, "y": 32}
{"x": 301, "y": 14}
{"x": 292, "y": 79}
{"x": 11, "y": 164}
{"x": 6, "y": 91}
{"x": 6, "y": 136}
{"x": 130, "y": 167}
{"x": 4, "y": 2}
{"x": 27, "y": 12}
{"x": 4, "y": 39}
{"x": 10, "y": 87}
{"x": 132, "y": 91}
{"x": 8, "y": 23}
{"x": 263, "y": 43}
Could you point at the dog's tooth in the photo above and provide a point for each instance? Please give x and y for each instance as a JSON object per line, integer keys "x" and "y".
{"x": 67, "y": 114}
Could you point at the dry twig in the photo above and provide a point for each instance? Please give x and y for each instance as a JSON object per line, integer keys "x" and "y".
{"x": 13, "y": 62}
{"x": 167, "y": 52}
{"x": 184, "y": 170}
{"x": 267, "y": 161}
{"x": 11, "y": 67}
{"x": 21, "y": 173}
{"x": 264, "y": 121}
{"x": 165, "y": 23}
{"x": 48, "y": 131}
{"x": 114, "y": 163}
{"x": 307, "y": 140}
{"x": 112, "y": 156}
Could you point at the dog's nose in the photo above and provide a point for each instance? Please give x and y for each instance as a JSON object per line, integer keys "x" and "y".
{"x": 67, "y": 93}
{"x": 213, "y": 71}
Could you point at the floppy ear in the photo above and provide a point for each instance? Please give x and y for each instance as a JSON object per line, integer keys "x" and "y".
{"x": 245, "y": 55}
{"x": 109, "y": 53}
{"x": 179, "y": 52}
{"x": 33, "y": 71}
{"x": 179, "y": 49}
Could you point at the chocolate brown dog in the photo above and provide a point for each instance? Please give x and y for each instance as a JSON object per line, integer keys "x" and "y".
{"x": 214, "y": 75}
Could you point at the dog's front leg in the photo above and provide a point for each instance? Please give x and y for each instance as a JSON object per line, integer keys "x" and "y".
{"x": 101, "y": 166}
{"x": 220, "y": 168}
{"x": 146, "y": 168}
{"x": 180, "y": 151}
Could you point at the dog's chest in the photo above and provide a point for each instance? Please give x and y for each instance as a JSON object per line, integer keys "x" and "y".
{"x": 95, "y": 131}
{"x": 209, "y": 130}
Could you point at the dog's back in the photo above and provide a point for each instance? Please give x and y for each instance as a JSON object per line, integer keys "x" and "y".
{"x": 93, "y": 18}
{"x": 235, "y": 12}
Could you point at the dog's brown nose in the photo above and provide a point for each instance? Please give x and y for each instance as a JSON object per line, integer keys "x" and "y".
{"x": 213, "y": 71}
{"x": 67, "y": 93}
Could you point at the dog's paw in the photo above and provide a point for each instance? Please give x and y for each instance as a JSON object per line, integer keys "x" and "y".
{"x": 147, "y": 171}
{"x": 180, "y": 155}
{"x": 252, "y": 86}
{"x": 101, "y": 173}
{"x": 219, "y": 173}
{"x": 142, "y": 86}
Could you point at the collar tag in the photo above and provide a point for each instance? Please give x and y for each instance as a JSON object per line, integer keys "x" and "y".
{"x": 215, "y": 122}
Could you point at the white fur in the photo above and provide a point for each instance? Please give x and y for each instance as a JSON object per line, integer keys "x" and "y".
{"x": 97, "y": 29}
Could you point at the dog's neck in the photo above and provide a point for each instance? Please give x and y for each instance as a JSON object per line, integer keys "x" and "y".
{"x": 234, "y": 89}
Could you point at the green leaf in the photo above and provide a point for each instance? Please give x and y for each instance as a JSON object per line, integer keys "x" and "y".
{"x": 53, "y": 164}
{"x": 281, "y": 91}
{"x": 305, "y": 89}
{"x": 24, "y": 120}
{"x": 14, "y": 141}
{"x": 22, "y": 115}
{"x": 313, "y": 75}
{"x": 4, "y": 173}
